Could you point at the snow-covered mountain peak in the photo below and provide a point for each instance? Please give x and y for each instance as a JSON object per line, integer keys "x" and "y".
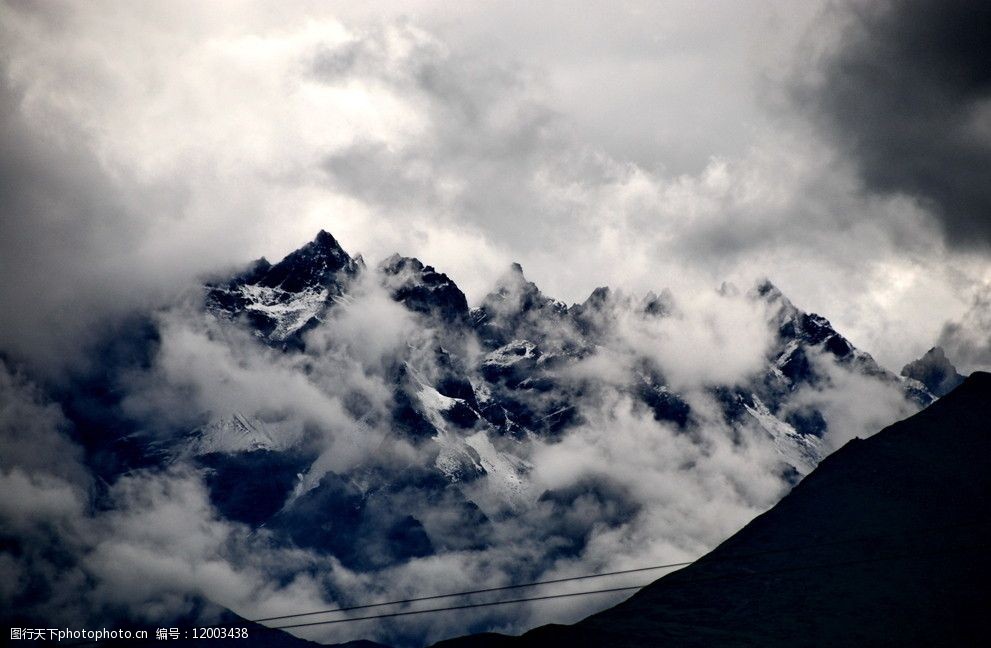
{"x": 474, "y": 383}
{"x": 316, "y": 264}
{"x": 282, "y": 301}
{"x": 232, "y": 434}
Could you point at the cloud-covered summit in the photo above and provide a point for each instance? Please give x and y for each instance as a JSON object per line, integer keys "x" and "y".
{"x": 320, "y": 431}
{"x": 464, "y": 429}
{"x": 607, "y": 147}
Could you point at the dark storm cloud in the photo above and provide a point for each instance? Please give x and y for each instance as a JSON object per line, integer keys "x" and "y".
{"x": 967, "y": 341}
{"x": 55, "y": 214}
{"x": 141, "y": 148}
{"x": 78, "y": 247}
{"x": 907, "y": 94}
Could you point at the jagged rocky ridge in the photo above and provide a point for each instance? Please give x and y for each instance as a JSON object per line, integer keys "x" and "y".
{"x": 477, "y": 384}
{"x": 283, "y": 301}
{"x": 525, "y": 336}
{"x": 935, "y": 371}
{"x": 482, "y": 443}
{"x": 884, "y": 544}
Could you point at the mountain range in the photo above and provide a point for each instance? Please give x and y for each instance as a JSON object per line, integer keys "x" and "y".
{"x": 367, "y": 420}
{"x": 476, "y": 385}
{"x": 883, "y": 544}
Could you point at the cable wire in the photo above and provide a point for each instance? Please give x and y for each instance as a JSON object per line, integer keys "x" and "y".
{"x": 846, "y": 563}
{"x": 478, "y": 591}
{"x": 697, "y": 580}
{"x": 463, "y": 607}
{"x": 432, "y": 597}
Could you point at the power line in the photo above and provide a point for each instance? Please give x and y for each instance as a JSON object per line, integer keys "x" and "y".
{"x": 412, "y": 612}
{"x": 478, "y": 591}
{"x": 748, "y": 574}
{"x": 463, "y": 607}
{"x": 432, "y": 597}
{"x": 846, "y": 563}
{"x": 701, "y": 580}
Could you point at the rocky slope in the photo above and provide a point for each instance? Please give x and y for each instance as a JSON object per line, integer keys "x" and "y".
{"x": 935, "y": 371}
{"x": 475, "y": 386}
{"x": 882, "y": 545}
{"x": 365, "y": 430}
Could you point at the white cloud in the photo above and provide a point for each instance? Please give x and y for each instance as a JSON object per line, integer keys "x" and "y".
{"x": 206, "y": 141}
{"x": 853, "y": 405}
{"x": 635, "y": 146}
{"x": 712, "y": 339}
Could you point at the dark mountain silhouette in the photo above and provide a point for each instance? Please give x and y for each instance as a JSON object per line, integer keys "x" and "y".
{"x": 471, "y": 391}
{"x": 884, "y": 544}
{"x": 503, "y": 369}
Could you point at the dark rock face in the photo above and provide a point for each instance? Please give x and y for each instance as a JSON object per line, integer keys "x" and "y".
{"x": 663, "y": 403}
{"x": 935, "y": 371}
{"x": 362, "y": 529}
{"x": 519, "y": 385}
{"x": 236, "y": 490}
{"x": 315, "y": 264}
{"x": 592, "y": 317}
{"x": 528, "y": 340}
{"x": 884, "y": 544}
{"x": 570, "y": 510}
{"x": 281, "y": 302}
{"x": 424, "y": 290}
{"x": 516, "y": 309}
{"x": 800, "y": 336}
{"x": 472, "y": 388}
{"x": 466, "y": 395}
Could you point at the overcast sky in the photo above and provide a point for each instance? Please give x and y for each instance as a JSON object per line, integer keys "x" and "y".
{"x": 842, "y": 150}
